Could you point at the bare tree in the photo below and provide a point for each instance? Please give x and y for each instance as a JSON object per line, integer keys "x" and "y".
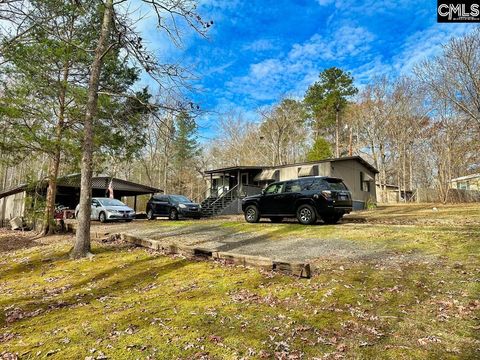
{"x": 283, "y": 130}
{"x": 126, "y": 38}
{"x": 454, "y": 76}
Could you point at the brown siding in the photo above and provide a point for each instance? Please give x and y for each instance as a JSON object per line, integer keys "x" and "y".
{"x": 349, "y": 171}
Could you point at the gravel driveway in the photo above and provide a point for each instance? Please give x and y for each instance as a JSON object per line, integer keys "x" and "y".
{"x": 262, "y": 242}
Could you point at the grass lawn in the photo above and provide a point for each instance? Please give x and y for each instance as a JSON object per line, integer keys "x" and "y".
{"x": 418, "y": 298}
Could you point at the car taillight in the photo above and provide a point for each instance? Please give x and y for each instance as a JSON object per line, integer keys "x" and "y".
{"x": 327, "y": 194}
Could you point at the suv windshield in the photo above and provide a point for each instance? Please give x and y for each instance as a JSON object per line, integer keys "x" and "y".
{"x": 111, "y": 202}
{"x": 177, "y": 199}
{"x": 336, "y": 184}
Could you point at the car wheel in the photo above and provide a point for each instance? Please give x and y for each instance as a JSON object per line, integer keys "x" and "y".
{"x": 251, "y": 214}
{"x": 306, "y": 214}
{"x": 173, "y": 215}
{"x": 276, "y": 219}
{"x": 102, "y": 217}
{"x": 150, "y": 215}
{"x": 332, "y": 219}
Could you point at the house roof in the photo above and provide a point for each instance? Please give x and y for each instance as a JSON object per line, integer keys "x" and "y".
{"x": 467, "y": 177}
{"x": 98, "y": 182}
{"x": 234, "y": 168}
{"x": 346, "y": 158}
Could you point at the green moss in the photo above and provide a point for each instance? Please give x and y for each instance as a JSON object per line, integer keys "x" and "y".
{"x": 131, "y": 303}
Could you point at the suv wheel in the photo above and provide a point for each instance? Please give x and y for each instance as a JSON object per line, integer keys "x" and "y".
{"x": 150, "y": 215}
{"x": 251, "y": 214}
{"x": 102, "y": 217}
{"x": 173, "y": 215}
{"x": 276, "y": 219}
{"x": 306, "y": 214}
{"x": 332, "y": 219}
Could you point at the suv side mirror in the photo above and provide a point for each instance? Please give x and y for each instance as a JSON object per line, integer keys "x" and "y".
{"x": 263, "y": 191}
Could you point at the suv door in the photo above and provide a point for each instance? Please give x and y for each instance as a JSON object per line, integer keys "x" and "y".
{"x": 271, "y": 202}
{"x": 292, "y": 192}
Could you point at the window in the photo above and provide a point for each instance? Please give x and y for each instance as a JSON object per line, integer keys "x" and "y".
{"x": 274, "y": 188}
{"x": 161, "y": 198}
{"x": 177, "y": 199}
{"x": 320, "y": 184}
{"x": 335, "y": 184}
{"x": 292, "y": 186}
{"x": 364, "y": 182}
{"x": 307, "y": 184}
{"x": 95, "y": 202}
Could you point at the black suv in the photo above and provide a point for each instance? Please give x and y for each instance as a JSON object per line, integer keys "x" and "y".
{"x": 172, "y": 206}
{"x": 307, "y": 199}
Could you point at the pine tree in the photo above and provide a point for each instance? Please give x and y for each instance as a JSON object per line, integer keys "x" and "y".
{"x": 186, "y": 148}
{"x": 326, "y": 99}
{"x": 321, "y": 150}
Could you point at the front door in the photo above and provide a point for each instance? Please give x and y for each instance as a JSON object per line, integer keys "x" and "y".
{"x": 271, "y": 202}
{"x": 243, "y": 183}
{"x": 244, "y": 179}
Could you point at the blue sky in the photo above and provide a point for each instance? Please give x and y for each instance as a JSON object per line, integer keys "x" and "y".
{"x": 260, "y": 51}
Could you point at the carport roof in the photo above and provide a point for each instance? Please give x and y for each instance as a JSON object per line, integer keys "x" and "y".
{"x": 98, "y": 182}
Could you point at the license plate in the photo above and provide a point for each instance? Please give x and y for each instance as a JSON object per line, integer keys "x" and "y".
{"x": 342, "y": 197}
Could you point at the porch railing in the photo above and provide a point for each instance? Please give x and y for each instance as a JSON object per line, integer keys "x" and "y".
{"x": 221, "y": 199}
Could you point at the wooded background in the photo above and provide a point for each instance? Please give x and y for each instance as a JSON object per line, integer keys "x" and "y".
{"x": 418, "y": 131}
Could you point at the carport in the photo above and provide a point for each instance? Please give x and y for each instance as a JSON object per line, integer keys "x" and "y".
{"x": 68, "y": 189}
{"x": 12, "y": 201}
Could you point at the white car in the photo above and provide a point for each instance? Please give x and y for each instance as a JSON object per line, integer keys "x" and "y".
{"x": 106, "y": 209}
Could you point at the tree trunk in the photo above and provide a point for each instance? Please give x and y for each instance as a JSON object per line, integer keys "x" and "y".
{"x": 383, "y": 173}
{"x": 55, "y": 160}
{"x": 82, "y": 243}
{"x": 49, "y": 212}
{"x": 404, "y": 173}
{"x": 350, "y": 143}
{"x": 410, "y": 169}
{"x": 337, "y": 134}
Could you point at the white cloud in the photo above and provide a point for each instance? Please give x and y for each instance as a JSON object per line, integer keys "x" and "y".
{"x": 425, "y": 44}
{"x": 261, "y": 45}
{"x": 293, "y": 72}
{"x": 346, "y": 41}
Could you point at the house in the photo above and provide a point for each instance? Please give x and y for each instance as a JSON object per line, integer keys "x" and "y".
{"x": 227, "y": 186}
{"x": 18, "y": 200}
{"x": 469, "y": 182}
{"x": 391, "y": 194}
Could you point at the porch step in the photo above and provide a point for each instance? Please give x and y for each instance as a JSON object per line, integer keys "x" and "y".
{"x": 215, "y": 205}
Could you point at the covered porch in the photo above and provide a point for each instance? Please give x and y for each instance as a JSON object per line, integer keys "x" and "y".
{"x": 243, "y": 180}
